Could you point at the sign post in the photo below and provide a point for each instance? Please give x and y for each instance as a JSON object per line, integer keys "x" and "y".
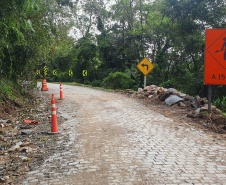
{"x": 145, "y": 67}
{"x": 145, "y": 81}
{"x": 209, "y": 98}
{"x": 215, "y": 60}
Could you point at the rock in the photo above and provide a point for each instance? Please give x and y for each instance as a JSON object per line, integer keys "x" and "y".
{"x": 193, "y": 115}
{"x": 2, "y": 179}
{"x": 173, "y": 99}
{"x": 150, "y": 96}
{"x": 19, "y": 143}
{"x": 198, "y": 98}
{"x": 203, "y": 101}
{"x": 150, "y": 88}
{"x": 181, "y": 104}
{"x": 146, "y": 94}
{"x": 205, "y": 108}
{"x": 163, "y": 95}
{"x": 194, "y": 103}
{"x": 14, "y": 148}
{"x": 8, "y": 135}
{"x": 198, "y": 110}
{"x": 172, "y": 90}
{"x": 140, "y": 89}
{"x": 26, "y": 144}
{"x": 159, "y": 90}
{"x": 26, "y": 132}
{"x": 189, "y": 98}
{"x": 139, "y": 95}
{"x": 26, "y": 127}
{"x": 6, "y": 177}
{"x": 26, "y": 149}
{"x": 3, "y": 121}
{"x": 2, "y": 132}
{"x": 153, "y": 87}
{"x": 129, "y": 91}
{"x": 182, "y": 95}
{"x": 26, "y": 159}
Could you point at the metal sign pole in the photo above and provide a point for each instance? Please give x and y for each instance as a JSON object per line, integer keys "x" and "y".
{"x": 145, "y": 80}
{"x": 209, "y": 98}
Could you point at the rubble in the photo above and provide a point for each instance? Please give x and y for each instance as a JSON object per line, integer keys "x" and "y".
{"x": 171, "y": 94}
{"x": 173, "y": 99}
{"x": 196, "y": 107}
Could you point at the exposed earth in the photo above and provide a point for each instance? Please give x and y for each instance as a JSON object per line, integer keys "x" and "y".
{"x": 110, "y": 138}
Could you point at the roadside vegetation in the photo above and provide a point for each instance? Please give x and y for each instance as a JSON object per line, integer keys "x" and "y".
{"x": 54, "y": 40}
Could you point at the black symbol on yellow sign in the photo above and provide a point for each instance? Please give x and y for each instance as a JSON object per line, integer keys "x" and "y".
{"x": 84, "y": 72}
{"x": 70, "y": 73}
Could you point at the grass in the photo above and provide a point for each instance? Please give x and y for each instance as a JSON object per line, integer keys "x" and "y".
{"x": 224, "y": 114}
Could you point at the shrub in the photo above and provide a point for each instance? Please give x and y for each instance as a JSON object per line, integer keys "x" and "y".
{"x": 96, "y": 83}
{"x": 220, "y": 104}
{"x": 64, "y": 77}
{"x": 118, "y": 80}
{"x": 87, "y": 82}
{"x": 168, "y": 84}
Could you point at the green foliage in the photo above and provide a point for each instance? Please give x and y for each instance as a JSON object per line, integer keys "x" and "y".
{"x": 96, "y": 83}
{"x": 34, "y": 33}
{"x": 118, "y": 80}
{"x": 63, "y": 77}
{"x": 86, "y": 82}
{"x": 220, "y": 103}
{"x": 9, "y": 90}
{"x": 169, "y": 84}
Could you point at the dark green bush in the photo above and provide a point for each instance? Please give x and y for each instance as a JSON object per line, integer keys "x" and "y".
{"x": 96, "y": 83}
{"x": 118, "y": 80}
{"x": 168, "y": 84}
{"x": 87, "y": 82}
{"x": 64, "y": 77}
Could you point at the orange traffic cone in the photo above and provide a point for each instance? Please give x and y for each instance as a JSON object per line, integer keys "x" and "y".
{"x": 54, "y": 117}
{"x": 61, "y": 92}
{"x": 44, "y": 85}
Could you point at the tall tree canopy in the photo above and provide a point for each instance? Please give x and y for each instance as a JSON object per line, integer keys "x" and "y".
{"x": 109, "y": 36}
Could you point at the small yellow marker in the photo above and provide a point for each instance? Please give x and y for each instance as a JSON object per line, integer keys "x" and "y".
{"x": 84, "y": 72}
{"x": 70, "y": 73}
{"x": 54, "y": 72}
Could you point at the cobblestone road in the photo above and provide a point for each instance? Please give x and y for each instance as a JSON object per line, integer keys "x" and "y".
{"x": 116, "y": 140}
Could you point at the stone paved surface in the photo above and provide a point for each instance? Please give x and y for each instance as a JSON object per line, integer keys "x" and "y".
{"x": 116, "y": 140}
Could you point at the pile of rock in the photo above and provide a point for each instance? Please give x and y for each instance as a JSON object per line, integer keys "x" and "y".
{"x": 171, "y": 97}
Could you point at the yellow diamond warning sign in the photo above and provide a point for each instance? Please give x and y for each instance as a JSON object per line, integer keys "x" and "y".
{"x": 145, "y": 66}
